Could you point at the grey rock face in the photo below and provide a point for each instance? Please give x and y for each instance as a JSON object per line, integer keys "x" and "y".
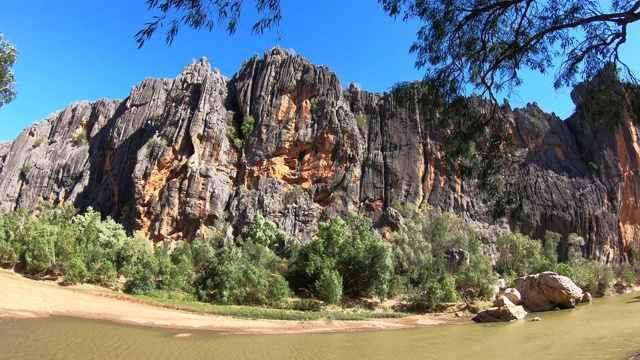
{"x": 171, "y": 159}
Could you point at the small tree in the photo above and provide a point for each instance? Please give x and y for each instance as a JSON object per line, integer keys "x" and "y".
{"x": 247, "y": 126}
{"x": 8, "y": 57}
{"x": 267, "y": 233}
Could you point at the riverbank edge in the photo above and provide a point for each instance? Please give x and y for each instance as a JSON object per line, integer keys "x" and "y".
{"x": 25, "y": 298}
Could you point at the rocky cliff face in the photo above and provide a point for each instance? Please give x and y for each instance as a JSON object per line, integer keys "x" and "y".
{"x": 178, "y": 155}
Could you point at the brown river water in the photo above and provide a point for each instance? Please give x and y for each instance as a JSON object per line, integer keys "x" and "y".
{"x": 609, "y": 328}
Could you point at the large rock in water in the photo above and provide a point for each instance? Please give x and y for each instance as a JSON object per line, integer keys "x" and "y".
{"x": 499, "y": 314}
{"x": 547, "y": 290}
{"x": 170, "y": 160}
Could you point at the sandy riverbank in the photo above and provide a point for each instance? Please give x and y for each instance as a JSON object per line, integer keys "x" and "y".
{"x": 25, "y": 298}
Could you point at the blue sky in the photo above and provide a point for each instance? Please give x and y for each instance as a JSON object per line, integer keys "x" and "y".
{"x": 73, "y": 50}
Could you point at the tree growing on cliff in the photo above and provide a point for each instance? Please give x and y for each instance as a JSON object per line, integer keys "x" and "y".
{"x": 8, "y": 57}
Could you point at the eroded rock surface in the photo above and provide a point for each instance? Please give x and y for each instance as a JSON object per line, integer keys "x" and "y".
{"x": 171, "y": 159}
{"x": 548, "y": 290}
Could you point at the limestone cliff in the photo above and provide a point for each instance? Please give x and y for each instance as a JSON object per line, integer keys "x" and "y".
{"x": 174, "y": 157}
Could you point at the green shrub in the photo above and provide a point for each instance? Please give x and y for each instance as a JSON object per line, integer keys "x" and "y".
{"x": 575, "y": 244}
{"x": 141, "y": 282}
{"x": 234, "y": 276}
{"x": 476, "y": 280}
{"x": 314, "y": 106}
{"x": 626, "y": 272}
{"x": 104, "y": 274}
{"x": 81, "y": 137}
{"x": 351, "y": 248}
{"x": 26, "y": 167}
{"x": 39, "y": 141}
{"x": 397, "y": 206}
{"x": 179, "y": 95}
{"x": 362, "y": 123}
{"x": 521, "y": 255}
{"x": 267, "y": 234}
{"x": 329, "y": 286}
{"x": 437, "y": 290}
{"x": 77, "y": 272}
{"x": 39, "y": 254}
{"x": 247, "y": 126}
{"x": 232, "y": 135}
{"x": 592, "y": 276}
{"x": 305, "y": 305}
{"x": 136, "y": 254}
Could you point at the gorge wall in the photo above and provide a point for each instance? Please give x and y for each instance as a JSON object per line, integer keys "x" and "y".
{"x": 171, "y": 159}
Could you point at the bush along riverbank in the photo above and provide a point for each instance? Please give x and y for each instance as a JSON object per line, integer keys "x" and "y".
{"x": 434, "y": 259}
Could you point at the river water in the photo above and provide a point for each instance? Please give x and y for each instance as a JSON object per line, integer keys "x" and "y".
{"x": 609, "y": 328}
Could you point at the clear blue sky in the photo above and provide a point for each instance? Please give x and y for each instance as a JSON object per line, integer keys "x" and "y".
{"x": 72, "y": 50}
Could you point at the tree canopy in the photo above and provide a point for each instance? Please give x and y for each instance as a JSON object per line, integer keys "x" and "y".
{"x": 486, "y": 43}
{"x": 482, "y": 43}
{"x": 205, "y": 14}
{"x": 8, "y": 57}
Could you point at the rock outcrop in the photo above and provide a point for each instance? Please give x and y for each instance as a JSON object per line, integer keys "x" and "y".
{"x": 501, "y": 314}
{"x": 177, "y": 156}
{"x": 548, "y": 290}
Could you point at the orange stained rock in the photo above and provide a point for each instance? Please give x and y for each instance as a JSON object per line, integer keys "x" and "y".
{"x": 305, "y": 111}
{"x": 559, "y": 152}
{"x": 629, "y": 215}
{"x": 151, "y": 189}
{"x": 315, "y": 166}
{"x": 377, "y": 205}
{"x": 287, "y": 107}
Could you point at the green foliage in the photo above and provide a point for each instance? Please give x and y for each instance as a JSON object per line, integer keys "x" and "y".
{"x": 626, "y": 272}
{"x": 135, "y": 255}
{"x": 98, "y": 243}
{"x": 26, "y": 167}
{"x": 81, "y": 137}
{"x": 206, "y": 15}
{"x": 314, "y": 106}
{"x": 267, "y": 234}
{"x": 551, "y": 241}
{"x": 329, "y": 286}
{"x": 142, "y": 281}
{"x": 466, "y": 44}
{"x": 521, "y": 255}
{"x": 362, "y": 123}
{"x": 575, "y": 244}
{"x": 39, "y": 141}
{"x": 412, "y": 250}
{"x": 232, "y": 135}
{"x": 154, "y": 118}
{"x": 422, "y": 270}
{"x": 305, "y": 305}
{"x": 175, "y": 269}
{"x": 352, "y": 250}
{"x": 39, "y": 252}
{"x": 592, "y": 276}
{"x": 247, "y": 126}
{"x": 476, "y": 280}
{"x": 179, "y": 95}
{"x": 397, "y": 206}
{"x": 234, "y": 276}
{"x": 8, "y": 57}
